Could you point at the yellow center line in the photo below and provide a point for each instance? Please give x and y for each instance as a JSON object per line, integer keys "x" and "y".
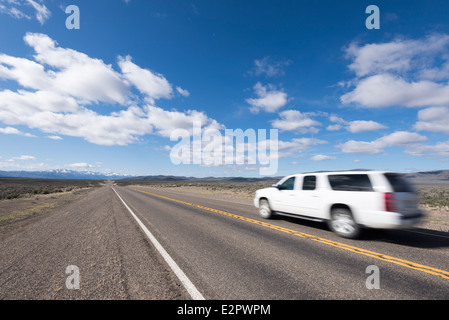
{"x": 405, "y": 263}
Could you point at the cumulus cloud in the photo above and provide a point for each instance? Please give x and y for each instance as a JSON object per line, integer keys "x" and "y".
{"x": 410, "y": 73}
{"x": 54, "y": 137}
{"x": 398, "y": 138}
{"x": 81, "y": 166}
{"x": 363, "y": 125}
{"x": 268, "y": 99}
{"x": 384, "y": 90}
{"x": 295, "y": 121}
{"x": 356, "y": 126}
{"x": 60, "y": 89}
{"x": 434, "y": 119}
{"x": 11, "y": 130}
{"x": 296, "y": 146}
{"x": 321, "y": 157}
{"x": 440, "y": 149}
{"x": 152, "y": 84}
{"x": 23, "y": 158}
{"x": 165, "y": 121}
{"x": 398, "y": 56}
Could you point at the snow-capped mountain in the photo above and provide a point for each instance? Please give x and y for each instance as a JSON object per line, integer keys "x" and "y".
{"x": 63, "y": 174}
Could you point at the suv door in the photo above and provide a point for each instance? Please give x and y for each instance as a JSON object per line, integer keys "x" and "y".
{"x": 309, "y": 203}
{"x": 284, "y": 196}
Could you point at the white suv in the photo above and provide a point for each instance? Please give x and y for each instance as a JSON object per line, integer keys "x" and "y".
{"x": 347, "y": 200}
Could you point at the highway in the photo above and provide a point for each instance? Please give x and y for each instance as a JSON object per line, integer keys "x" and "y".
{"x": 211, "y": 249}
{"x": 227, "y": 252}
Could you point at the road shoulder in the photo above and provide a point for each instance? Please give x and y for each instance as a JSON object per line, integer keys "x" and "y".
{"x": 96, "y": 235}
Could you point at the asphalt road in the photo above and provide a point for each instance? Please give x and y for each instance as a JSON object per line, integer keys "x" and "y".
{"x": 230, "y": 253}
{"x": 222, "y": 247}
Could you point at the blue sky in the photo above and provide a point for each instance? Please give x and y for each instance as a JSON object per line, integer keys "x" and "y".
{"x": 106, "y": 97}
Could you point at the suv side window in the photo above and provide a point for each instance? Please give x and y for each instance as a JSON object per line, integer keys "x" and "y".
{"x": 350, "y": 182}
{"x": 288, "y": 184}
{"x": 309, "y": 183}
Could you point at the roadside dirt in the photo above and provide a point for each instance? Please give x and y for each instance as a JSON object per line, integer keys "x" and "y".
{"x": 90, "y": 230}
{"x": 17, "y": 213}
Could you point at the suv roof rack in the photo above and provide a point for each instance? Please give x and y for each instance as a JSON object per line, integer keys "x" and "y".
{"x": 350, "y": 170}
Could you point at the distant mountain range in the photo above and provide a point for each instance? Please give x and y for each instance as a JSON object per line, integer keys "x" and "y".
{"x": 182, "y": 178}
{"x": 429, "y": 177}
{"x": 62, "y": 174}
{"x": 425, "y": 177}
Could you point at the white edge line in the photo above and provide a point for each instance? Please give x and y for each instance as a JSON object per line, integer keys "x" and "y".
{"x": 188, "y": 285}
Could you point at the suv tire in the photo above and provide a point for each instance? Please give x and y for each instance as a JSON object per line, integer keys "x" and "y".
{"x": 265, "y": 209}
{"x": 343, "y": 224}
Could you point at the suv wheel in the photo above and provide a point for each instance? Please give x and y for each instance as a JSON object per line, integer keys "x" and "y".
{"x": 264, "y": 209}
{"x": 343, "y": 224}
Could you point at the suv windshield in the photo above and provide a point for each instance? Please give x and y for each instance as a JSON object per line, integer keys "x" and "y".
{"x": 398, "y": 183}
{"x": 287, "y": 184}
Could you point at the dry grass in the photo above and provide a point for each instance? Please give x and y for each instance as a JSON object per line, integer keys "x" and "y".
{"x": 241, "y": 189}
{"x": 434, "y": 196}
{"x": 15, "y": 188}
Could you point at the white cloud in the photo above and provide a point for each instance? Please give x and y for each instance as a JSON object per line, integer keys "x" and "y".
{"x": 434, "y": 119}
{"x": 410, "y": 73}
{"x": 77, "y": 75}
{"x": 153, "y": 85}
{"x": 23, "y": 158}
{"x": 321, "y": 157}
{"x": 166, "y": 121}
{"x": 440, "y": 149}
{"x": 334, "y": 127}
{"x": 356, "y": 126}
{"x": 362, "y": 126}
{"x": 54, "y": 137}
{"x": 269, "y": 67}
{"x": 384, "y": 90}
{"x": 82, "y": 166}
{"x": 398, "y": 138}
{"x": 13, "y": 11}
{"x": 294, "y": 120}
{"x": 297, "y": 145}
{"x": 268, "y": 99}
{"x": 183, "y": 92}
{"x": 397, "y": 56}
{"x": 11, "y": 130}
{"x": 42, "y": 13}
{"x": 60, "y": 88}
{"x": 11, "y": 7}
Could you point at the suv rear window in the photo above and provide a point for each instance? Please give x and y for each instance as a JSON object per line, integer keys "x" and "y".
{"x": 398, "y": 183}
{"x": 350, "y": 182}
